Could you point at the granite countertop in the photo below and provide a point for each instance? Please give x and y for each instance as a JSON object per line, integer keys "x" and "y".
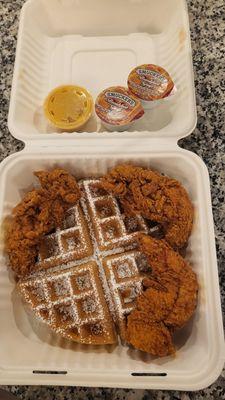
{"x": 208, "y": 141}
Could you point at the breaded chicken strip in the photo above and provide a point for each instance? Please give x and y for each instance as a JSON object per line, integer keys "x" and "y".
{"x": 39, "y": 212}
{"x": 170, "y": 268}
{"x": 168, "y": 302}
{"x": 156, "y": 197}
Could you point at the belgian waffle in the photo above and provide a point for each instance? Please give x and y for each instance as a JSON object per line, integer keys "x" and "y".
{"x": 97, "y": 239}
{"x": 72, "y": 302}
{"x": 70, "y": 242}
{"x": 112, "y": 228}
{"x": 124, "y": 277}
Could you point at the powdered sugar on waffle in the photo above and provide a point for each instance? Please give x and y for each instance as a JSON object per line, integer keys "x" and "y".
{"x": 61, "y": 287}
{"x": 66, "y": 307}
{"x": 117, "y": 217}
{"x": 116, "y": 285}
{"x": 61, "y": 253}
{"x": 112, "y": 286}
{"x": 114, "y": 248}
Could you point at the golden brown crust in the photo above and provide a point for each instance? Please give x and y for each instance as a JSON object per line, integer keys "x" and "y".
{"x": 40, "y": 211}
{"x": 152, "y": 337}
{"x": 156, "y": 197}
{"x": 171, "y": 269}
{"x": 168, "y": 302}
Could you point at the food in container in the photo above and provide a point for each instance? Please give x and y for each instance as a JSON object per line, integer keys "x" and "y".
{"x": 150, "y": 83}
{"x": 68, "y": 107}
{"x": 87, "y": 239}
{"x": 198, "y": 342}
{"x": 200, "y": 360}
{"x": 118, "y": 108}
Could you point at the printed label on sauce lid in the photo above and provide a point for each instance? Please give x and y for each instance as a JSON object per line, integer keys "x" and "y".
{"x": 117, "y": 106}
{"x": 150, "y": 82}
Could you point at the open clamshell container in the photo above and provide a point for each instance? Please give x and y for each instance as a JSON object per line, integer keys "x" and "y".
{"x": 96, "y": 44}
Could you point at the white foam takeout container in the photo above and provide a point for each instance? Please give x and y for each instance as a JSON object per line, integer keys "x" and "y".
{"x": 27, "y": 348}
{"x": 96, "y": 43}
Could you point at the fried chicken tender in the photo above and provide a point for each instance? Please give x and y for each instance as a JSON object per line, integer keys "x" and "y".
{"x": 154, "y": 196}
{"x": 168, "y": 302}
{"x": 40, "y": 212}
{"x": 150, "y": 336}
{"x": 171, "y": 269}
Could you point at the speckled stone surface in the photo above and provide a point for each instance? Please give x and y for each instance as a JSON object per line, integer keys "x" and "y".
{"x": 208, "y": 141}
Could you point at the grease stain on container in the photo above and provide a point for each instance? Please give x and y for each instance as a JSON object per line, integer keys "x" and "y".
{"x": 182, "y": 38}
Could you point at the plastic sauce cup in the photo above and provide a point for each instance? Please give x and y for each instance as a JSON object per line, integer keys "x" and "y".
{"x": 151, "y": 84}
{"x": 117, "y": 108}
{"x": 68, "y": 107}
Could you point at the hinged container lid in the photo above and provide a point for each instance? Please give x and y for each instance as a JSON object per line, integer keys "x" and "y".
{"x": 73, "y": 42}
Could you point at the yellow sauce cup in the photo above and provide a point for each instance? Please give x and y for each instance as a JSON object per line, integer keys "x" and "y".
{"x": 68, "y": 107}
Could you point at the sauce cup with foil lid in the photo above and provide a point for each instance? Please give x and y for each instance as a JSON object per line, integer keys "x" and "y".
{"x": 151, "y": 84}
{"x": 68, "y": 107}
{"x": 117, "y": 108}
